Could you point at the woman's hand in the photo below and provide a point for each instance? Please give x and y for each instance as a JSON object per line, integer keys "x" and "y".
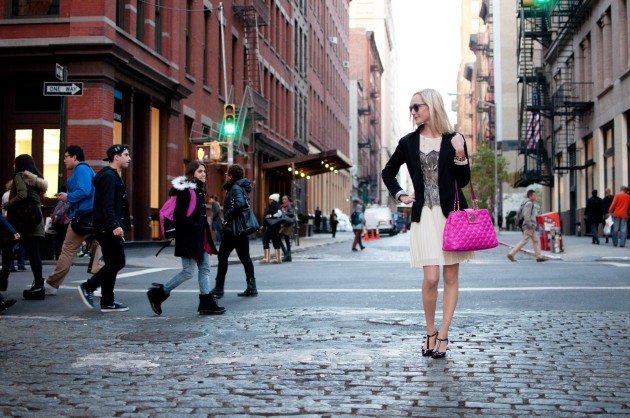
{"x": 458, "y": 144}
{"x": 406, "y": 199}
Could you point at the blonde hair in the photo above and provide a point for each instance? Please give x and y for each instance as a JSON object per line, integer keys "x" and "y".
{"x": 437, "y": 112}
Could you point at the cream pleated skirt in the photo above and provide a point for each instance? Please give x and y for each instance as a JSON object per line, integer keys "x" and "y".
{"x": 426, "y": 241}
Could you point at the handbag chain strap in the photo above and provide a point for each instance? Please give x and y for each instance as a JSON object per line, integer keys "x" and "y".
{"x": 472, "y": 195}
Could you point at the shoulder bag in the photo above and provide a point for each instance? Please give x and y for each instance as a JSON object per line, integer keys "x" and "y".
{"x": 468, "y": 229}
{"x": 245, "y": 223}
{"x": 83, "y": 222}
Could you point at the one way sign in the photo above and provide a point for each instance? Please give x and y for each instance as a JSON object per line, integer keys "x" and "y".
{"x": 63, "y": 89}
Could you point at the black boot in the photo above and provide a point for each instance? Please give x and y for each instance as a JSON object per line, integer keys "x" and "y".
{"x": 287, "y": 257}
{"x": 217, "y": 292}
{"x": 6, "y": 303}
{"x": 208, "y": 306}
{"x": 4, "y": 280}
{"x": 36, "y": 292}
{"x": 251, "y": 290}
{"x": 156, "y": 296}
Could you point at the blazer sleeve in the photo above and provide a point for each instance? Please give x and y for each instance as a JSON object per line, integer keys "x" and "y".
{"x": 389, "y": 173}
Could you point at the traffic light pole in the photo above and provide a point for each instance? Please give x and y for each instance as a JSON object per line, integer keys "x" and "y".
{"x": 230, "y": 150}
{"x": 230, "y": 138}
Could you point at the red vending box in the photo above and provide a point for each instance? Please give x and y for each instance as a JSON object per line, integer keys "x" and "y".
{"x": 546, "y": 222}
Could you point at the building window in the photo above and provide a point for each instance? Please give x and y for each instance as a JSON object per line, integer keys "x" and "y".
{"x": 188, "y": 34}
{"x": 120, "y": 13}
{"x": 35, "y": 8}
{"x": 589, "y": 162}
{"x": 609, "y": 156}
{"x": 158, "y": 26}
{"x": 206, "y": 44}
{"x": 140, "y": 21}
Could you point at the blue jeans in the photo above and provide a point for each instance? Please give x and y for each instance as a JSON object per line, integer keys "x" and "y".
{"x": 188, "y": 269}
{"x": 619, "y": 225}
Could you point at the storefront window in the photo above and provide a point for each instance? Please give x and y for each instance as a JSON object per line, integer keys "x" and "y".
{"x": 50, "y": 168}
{"x": 35, "y": 8}
{"x": 155, "y": 157}
{"x": 51, "y": 160}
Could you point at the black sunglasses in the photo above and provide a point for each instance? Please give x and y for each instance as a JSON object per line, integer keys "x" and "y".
{"x": 416, "y": 107}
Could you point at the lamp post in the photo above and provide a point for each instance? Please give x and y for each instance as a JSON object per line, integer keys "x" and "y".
{"x": 496, "y": 173}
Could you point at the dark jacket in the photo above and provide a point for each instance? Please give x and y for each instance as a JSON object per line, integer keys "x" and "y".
{"x": 408, "y": 152}
{"x": 111, "y": 205}
{"x": 190, "y": 231}
{"x": 594, "y": 211}
{"x": 274, "y": 210}
{"x": 236, "y": 200}
{"x": 606, "y": 202}
{"x": 21, "y": 191}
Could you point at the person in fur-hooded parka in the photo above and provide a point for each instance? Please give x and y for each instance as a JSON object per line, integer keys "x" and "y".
{"x": 193, "y": 242}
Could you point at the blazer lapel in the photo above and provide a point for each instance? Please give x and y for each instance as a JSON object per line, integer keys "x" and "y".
{"x": 444, "y": 151}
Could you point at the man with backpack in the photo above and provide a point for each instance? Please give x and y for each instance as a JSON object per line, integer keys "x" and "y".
{"x": 526, "y": 219}
{"x": 80, "y": 196}
{"x": 357, "y": 220}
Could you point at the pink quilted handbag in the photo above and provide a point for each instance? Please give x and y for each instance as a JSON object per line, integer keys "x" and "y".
{"x": 468, "y": 229}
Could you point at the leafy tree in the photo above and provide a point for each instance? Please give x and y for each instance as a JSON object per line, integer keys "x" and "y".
{"x": 482, "y": 175}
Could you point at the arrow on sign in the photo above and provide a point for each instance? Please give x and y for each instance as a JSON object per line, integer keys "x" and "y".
{"x": 63, "y": 89}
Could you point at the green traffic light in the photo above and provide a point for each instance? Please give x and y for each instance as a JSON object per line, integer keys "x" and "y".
{"x": 229, "y": 127}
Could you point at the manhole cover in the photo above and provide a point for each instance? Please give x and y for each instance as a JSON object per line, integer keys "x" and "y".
{"x": 161, "y": 336}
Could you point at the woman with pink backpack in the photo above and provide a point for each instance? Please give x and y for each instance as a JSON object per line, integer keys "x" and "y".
{"x": 193, "y": 241}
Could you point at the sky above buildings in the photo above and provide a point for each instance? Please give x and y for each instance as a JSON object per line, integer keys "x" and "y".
{"x": 427, "y": 34}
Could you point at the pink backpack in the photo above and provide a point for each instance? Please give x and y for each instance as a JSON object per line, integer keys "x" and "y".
{"x": 167, "y": 221}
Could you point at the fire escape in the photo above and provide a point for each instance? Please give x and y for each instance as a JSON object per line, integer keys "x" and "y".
{"x": 483, "y": 46}
{"x": 369, "y": 149}
{"x": 548, "y": 95}
{"x": 255, "y": 13}
{"x": 254, "y": 105}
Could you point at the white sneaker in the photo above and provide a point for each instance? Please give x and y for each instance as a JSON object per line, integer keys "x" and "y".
{"x": 97, "y": 293}
{"x": 50, "y": 290}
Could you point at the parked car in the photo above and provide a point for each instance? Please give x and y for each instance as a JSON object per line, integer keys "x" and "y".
{"x": 380, "y": 218}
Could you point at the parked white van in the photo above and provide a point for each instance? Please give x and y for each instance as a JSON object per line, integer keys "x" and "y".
{"x": 380, "y": 218}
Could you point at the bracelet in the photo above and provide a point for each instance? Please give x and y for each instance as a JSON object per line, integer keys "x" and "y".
{"x": 460, "y": 158}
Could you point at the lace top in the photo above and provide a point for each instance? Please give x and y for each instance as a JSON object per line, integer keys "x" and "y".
{"x": 429, "y": 153}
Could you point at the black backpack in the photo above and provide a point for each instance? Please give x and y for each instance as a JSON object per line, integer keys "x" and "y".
{"x": 355, "y": 218}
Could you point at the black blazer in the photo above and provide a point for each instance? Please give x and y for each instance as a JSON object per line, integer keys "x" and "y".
{"x": 408, "y": 152}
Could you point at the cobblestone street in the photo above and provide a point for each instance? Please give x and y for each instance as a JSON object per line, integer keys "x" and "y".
{"x": 318, "y": 363}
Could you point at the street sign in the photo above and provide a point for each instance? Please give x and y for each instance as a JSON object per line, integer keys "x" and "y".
{"x": 63, "y": 89}
{"x": 59, "y": 72}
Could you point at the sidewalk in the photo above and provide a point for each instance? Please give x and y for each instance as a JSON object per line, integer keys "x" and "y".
{"x": 575, "y": 248}
{"x": 143, "y": 254}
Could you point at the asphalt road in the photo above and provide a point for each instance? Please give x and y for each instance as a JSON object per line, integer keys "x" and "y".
{"x": 334, "y": 333}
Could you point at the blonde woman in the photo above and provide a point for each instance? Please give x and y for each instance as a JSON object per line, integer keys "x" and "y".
{"x": 436, "y": 158}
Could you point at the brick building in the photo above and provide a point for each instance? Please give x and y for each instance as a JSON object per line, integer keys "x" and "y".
{"x": 156, "y": 76}
{"x": 365, "y": 71}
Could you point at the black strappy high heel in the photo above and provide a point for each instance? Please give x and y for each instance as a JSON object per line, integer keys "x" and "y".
{"x": 436, "y": 351}
{"x": 426, "y": 352}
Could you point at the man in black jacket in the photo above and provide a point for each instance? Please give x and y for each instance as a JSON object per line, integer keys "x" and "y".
{"x": 594, "y": 214}
{"x": 111, "y": 220}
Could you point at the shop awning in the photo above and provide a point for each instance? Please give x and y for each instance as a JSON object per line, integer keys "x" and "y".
{"x": 311, "y": 164}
